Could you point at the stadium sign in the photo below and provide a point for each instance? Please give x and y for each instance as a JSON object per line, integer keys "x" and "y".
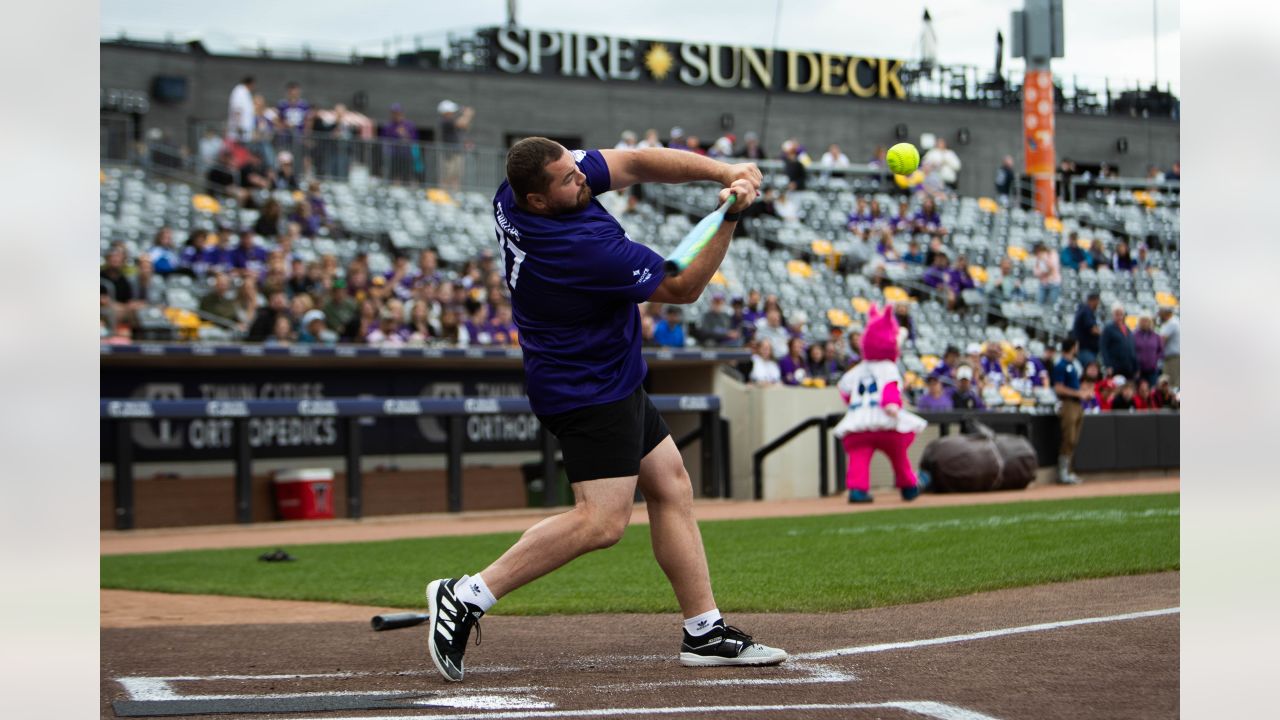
{"x": 526, "y": 51}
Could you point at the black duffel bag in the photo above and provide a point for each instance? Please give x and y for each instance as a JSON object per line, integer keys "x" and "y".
{"x": 979, "y": 460}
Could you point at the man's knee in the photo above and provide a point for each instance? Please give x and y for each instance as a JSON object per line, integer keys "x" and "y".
{"x": 608, "y": 526}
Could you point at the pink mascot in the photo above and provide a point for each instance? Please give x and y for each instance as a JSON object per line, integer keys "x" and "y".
{"x": 875, "y": 419}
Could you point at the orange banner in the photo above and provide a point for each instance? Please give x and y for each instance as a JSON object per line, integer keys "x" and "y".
{"x": 1037, "y": 137}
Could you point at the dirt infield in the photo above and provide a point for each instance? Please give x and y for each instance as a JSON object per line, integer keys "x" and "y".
{"x": 1021, "y": 653}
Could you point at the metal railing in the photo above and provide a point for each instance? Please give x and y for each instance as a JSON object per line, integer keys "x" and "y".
{"x": 121, "y": 412}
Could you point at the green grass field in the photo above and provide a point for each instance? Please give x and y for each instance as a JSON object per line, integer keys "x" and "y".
{"x": 825, "y": 563}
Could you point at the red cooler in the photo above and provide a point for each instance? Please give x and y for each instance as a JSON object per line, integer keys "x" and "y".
{"x": 304, "y": 494}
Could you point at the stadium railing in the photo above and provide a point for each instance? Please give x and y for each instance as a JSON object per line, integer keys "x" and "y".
{"x": 122, "y": 411}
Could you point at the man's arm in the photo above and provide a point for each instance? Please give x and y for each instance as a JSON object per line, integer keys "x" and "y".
{"x": 664, "y": 165}
{"x": 687, "y": 287}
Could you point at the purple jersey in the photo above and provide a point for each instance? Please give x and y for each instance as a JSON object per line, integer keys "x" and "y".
{"x": 293, "y": 114}
{"x": 575, "y": 281}
{"x": 253, "y": 259}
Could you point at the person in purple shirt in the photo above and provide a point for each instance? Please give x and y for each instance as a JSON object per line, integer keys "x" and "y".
{"x": 248, "y": 256}
{"x": 399, "y": 134}
{"x": 502, "y": 328}
{"x": 958, "y": 277}
{"x": 576, "y": 279}
{"x": 927, "y": 219}
{"x": 752, "y": 312}
{"x": 947, "y": 368}
{"x": 904, "y": 221}
{"x": 1149, "y": 347}
{"x": 937, "y": 275}
{"x": 936, "y": 397}
{"x": 793, "y": 367}
{"x": 293, "y": 114}
{"x": 860, "y": 220}
{"x": 990, "y": 364}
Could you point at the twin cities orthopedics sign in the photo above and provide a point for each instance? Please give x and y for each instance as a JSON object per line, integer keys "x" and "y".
{"x": 575, "y": 55}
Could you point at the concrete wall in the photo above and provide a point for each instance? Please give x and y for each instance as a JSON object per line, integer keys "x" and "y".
{"x": 598, "y": 111}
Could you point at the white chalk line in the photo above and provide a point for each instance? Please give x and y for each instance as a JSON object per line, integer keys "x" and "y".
{"x": 937, "y": 710}
{"x": 993, "y": 521}
{"x": 1041, "y": 627}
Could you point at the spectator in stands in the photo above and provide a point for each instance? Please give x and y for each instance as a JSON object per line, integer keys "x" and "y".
{"x": 1124, "y": 398}
{"x": 293, "y": 115}
{"x": 1046, "y": 269}
{"x": 884, "y": 244}
{"x": 113, "y": 280}
{"x": 1142, "y": 263}
{"x": 750, "y": 149}
{"x": 716, "y": 327}
{"x": 927, "y": 219}
{"x": 764, "y": 369}
{"x": 420, "y": 328}
{"x": 313, "y": 330}
{"x": 990, "y": 366}
{"x": 402, "y": 158}
{"x": 1004, "y": 180}
{"x": 240, "y": 110}
{"x": 477, "y": 324}
{"x": 269, "y": 219}
{"x": 936, "y": 397}
{"x": 1164, "y": 395}
{"x": 792, "y": 167}
{"x": 1143, "y": 397}
{"x": 771, "y": 330}
{"x": 821, "y": 368}
{"x": 694, "y": 145}
{"x": 627, "y": 141}
{"x": 797, "y": 324}
{"x": 946, "y": 369}
{"x": 264, "y": 129}
{"x": 647, "y": 327}
{"x": 793, "y": 364}
{"x": 787, "y": 209}
{"x": 1175, "y": 173}
{"x": 334, "y": 145}
{"x": 960, "y": 278}
{"x": 1098, "y": 254}
{"x": 973, "y": 358}
{"x": 1117, "y": 350}
{"x": 1088, "y": 385}
{"x": 1074, "y": 255}
{"x": 752, "y": 310}
{"x": 218, "y": 302}
{"x": 738, "y": 320}
{"x": 299, "y": 279}
{"x": 669, "y": 332}
{"x": 1105, "y": 390}
{"x": 1148, "y": 347}
{"x": 1171, "y": 344}
{"x": 1121, "y": 261}
{"x": 1026, "y": 372}
{"x": 362, "y": 324}
{"x": 264, "y": 322}
{"x": 248, "y": 257}
{"x": 1067, "y": 385}
{"x": 676, "y": 140}
{"x": 939, "y": 277}
{"x": 247, "y": 302}
{"x": 305, "y": 218}
{"x": 859, "y": 222}
{"x": 914, "y": 255}
{"x": 164, "y": 258}
{"x": 503, "y": 327}
{"x": 281, "y": 331}
{"x": 834, "y": 158}
{"x": 390, "y": 331}
{"x": 650, "y": 140}
{"x": 285, "y": 176}
{"x": 1002, "y": 285}
{"x": 854, "y": 346}
{"x": 1086, "y": 329}
{"x": 965, "y": 396}
{"x": 943, "y": 162}
{"x": 904, "y": 221}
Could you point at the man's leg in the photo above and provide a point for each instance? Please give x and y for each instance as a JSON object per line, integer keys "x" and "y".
{"x": 600, "y": 514}
{"x": 677, "y": 542}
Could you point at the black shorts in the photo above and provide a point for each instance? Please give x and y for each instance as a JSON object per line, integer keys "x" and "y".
{"x": 609, "y": 440}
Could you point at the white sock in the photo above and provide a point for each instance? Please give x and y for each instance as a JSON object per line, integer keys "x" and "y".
{"x": 702, "y": 624}
{"x": 472, "y": 589}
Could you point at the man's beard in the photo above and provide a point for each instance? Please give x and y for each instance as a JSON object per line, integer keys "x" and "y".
{"x": 584, "y": 199}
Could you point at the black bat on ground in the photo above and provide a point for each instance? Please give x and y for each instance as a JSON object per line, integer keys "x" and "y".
{"x": 398, "y": 620}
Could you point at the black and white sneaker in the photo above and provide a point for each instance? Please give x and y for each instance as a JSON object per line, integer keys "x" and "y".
{"x": 449, "y": 627}
{"x": 727, "y": 645}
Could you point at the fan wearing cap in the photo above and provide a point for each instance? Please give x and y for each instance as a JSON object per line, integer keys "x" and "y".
{"x": 875, "y": 418}
{"x": 455, "y": 121}
{"x": 965, "y": 396}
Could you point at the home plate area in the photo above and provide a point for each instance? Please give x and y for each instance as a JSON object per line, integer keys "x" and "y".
{"x": 1093, "y": 649}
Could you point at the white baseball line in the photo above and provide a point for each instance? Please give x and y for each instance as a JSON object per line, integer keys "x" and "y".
{"x": 936, "y": 710}
{"x": 821, "y": 655}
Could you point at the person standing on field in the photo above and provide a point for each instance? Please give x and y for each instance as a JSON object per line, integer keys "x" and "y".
{"x": 576, "y": 280}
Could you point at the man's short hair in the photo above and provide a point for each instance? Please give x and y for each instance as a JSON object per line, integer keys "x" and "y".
{"x": 1068, "y": 345}
{"x": 292, "y": 85}
{"x": 247, "y": 80}
{"x": 527, "y": 165}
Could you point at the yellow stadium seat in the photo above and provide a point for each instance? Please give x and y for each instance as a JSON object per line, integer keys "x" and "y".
{"x": 1085, "y": 243}
{"x": 205, "y": 203}
{"x": 1164, "y": 299}
{"x": 978, "y": 273}
{"x": 986, "y": 204}
{"x": 909, "y": 181}
{"x": 1018, "y": 253}
{"x": 1053, "y": 224}
{"x": 912, "y": 379}
{"x": 838, "y": 318}
{"x": 860, "y": 305}
{"x": 799, "y": 268}
{"x": 102, "y": 178}
{"x": 719, "y": 279}
{"x": 1131, "y": 321}
{"x": 895, "y": 294}
{"x": 821, "y": 247}
{"x": 440, "y": 197}
{"x": 298, "y": 196}
{"x": 1010, "y": 396}
{"x": 930, "y": 362}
